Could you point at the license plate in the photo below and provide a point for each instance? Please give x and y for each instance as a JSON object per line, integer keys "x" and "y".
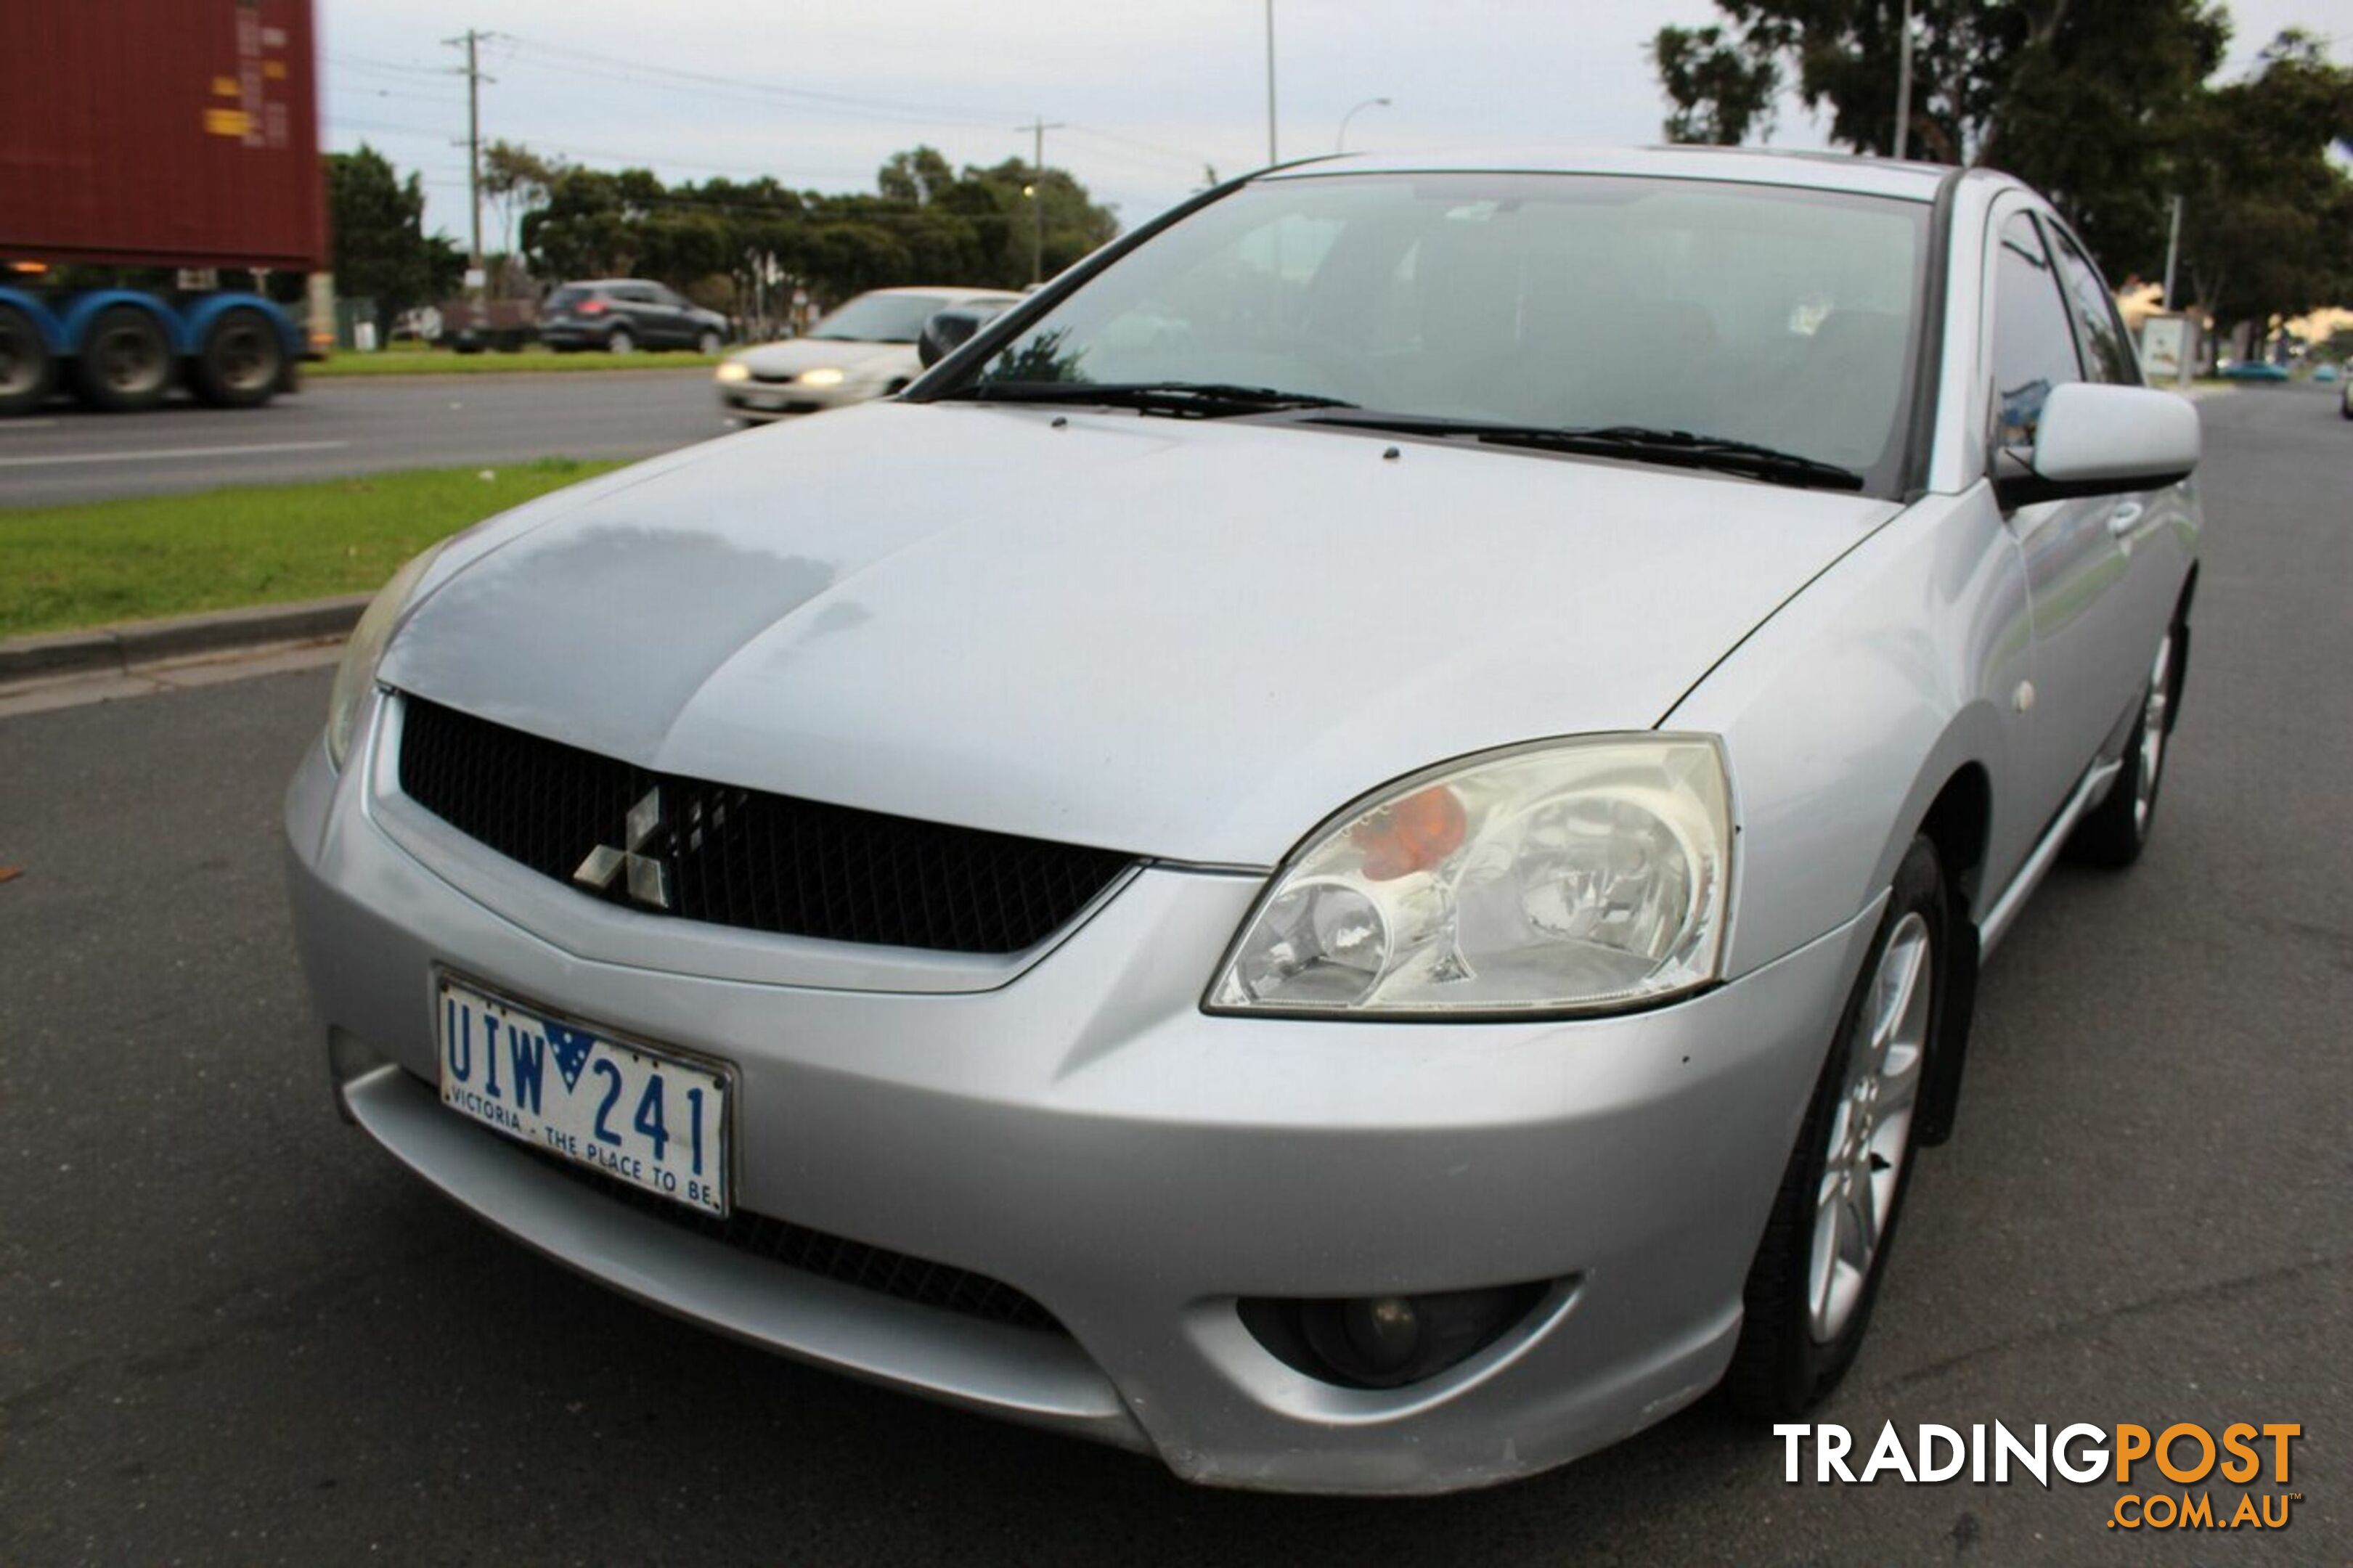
{"x": 763, "y": 400}
{"x": 638, "y": 1114}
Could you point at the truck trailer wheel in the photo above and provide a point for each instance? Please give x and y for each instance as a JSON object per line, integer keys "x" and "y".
{"x": 240, "y": 362}
{"x": 124, "y": 363}
{"x": 27, "y": 366}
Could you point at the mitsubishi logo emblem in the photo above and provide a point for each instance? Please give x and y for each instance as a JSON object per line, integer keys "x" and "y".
{"x": 649, "y": 879}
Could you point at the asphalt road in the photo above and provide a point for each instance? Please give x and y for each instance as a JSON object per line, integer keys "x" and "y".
{"x": 232, "y": 1331}
{"x": 354, "y": 425}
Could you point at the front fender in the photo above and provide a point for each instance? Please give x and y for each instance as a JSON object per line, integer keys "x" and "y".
{"x": 1846, "y": 714}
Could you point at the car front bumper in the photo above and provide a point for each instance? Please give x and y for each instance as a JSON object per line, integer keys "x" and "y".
{"x": 762, "y": 400}
{"x": 1086, "y": 1134}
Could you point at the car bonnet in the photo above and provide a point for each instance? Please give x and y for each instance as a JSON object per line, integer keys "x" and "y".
{"x": 1188, "y": 639}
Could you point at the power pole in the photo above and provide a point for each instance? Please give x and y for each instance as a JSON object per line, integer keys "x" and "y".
{"x": 1271, "y": 157}
{"x": 1903, "y": 87}
{"x": 471, "y": 39}
{"x": 1038, "y": 129}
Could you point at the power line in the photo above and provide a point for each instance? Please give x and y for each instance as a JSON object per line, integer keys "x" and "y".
{"x": 394, "y": 92}
{"x": 362, "y": 63}
{"x": 1153, "y": 149}
{"x": 643, "y": 70}
{"x": 867, "y": 114}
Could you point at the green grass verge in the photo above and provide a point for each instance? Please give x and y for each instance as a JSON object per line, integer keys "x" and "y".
{"x": 65, "y": 567}
{"x": 407, "y": 361}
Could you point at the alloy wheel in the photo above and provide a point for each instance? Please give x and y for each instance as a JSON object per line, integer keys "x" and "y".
{"x": 2156, "y": 713}
{"x": 1871, "y": 1129}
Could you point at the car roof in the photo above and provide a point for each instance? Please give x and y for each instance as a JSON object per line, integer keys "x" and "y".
{"x": 1747, "y": 165}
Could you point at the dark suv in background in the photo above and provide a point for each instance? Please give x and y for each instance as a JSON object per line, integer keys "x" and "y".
{"x": 619, "y": 314}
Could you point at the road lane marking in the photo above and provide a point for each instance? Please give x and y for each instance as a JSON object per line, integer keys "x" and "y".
{"x": 162, "y": 454}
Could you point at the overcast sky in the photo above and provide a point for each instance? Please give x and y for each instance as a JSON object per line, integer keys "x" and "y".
{"x": 819, "y": 92}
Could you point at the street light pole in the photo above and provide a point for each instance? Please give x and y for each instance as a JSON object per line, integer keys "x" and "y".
{"x": 1340, "y": 142}
{"x": 1271, "y": 156}
{"x": 1903, "y": 87}
{"x": 2172, "y": 250}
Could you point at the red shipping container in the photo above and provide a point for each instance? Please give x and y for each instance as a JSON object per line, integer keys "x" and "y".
{"x": 162, "y": 134}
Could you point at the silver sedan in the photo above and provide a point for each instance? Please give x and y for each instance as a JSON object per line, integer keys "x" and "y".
{"x": 1351, "y": 849}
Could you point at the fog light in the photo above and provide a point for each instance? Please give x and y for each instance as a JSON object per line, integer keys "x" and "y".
{"x": 1386, "y": 1342}
{"x": 1384, "y": 1332}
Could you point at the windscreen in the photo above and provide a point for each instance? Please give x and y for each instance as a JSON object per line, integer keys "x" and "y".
{"x": 879, "y": 319}
{"x": 1746, "y": 312}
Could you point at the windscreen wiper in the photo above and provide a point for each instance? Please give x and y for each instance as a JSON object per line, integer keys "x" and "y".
{"x": 1184, "y": 399}
{"x": 1637, "y": 442}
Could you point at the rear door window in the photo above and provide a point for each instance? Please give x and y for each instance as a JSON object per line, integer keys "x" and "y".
{"x": 2107, "y": 347}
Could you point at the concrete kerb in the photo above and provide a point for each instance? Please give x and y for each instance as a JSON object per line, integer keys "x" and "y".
{"x": 117, "y": 650}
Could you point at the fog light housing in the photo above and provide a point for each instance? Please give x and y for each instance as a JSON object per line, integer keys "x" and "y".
{"x": 1386, "y": 1342}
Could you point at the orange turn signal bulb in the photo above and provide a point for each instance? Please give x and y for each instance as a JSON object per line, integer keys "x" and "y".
{"x": 1415, "y": 834}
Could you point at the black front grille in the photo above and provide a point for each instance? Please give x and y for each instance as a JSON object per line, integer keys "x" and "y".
{"x": 854, "y": 1263}
{"x": 744, "y": 857}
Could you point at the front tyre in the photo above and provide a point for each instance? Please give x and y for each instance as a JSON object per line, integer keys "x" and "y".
{"x": 1816, "y": 1271}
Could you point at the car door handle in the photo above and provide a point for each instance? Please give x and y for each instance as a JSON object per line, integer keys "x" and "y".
{"x": 2126, "y": 517}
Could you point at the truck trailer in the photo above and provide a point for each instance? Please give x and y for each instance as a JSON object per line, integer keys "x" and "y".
{"x": 159, "y": 166}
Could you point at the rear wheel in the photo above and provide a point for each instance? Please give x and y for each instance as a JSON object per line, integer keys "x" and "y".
{"x": 125, "y": 360}
{"x": 708, "y": 343}
{"x": 241, "y": 362}
{"x": 2114, "y": 832}
{"x": 619, "y": 342}
{"x": 1817, "y": 1272}
{"x": 27, "y": 366}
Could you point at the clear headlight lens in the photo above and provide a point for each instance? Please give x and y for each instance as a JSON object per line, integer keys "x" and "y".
{"x": 734, "y": 369}
{"x": 356, "y": 676}
{"x": 1572, "y": 874}
{"x": 824, "y": 376}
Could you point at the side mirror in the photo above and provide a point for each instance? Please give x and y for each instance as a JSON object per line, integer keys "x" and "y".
{"x": 945, "y": 331}
{"x": 2096, "y": 439}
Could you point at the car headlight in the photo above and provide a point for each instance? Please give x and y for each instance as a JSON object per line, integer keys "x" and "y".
{"x": 356, "y": 676}
{"x": 824, "y": 377}
{"x": 1566, "y": 876}
{"x": 734, "y": 369}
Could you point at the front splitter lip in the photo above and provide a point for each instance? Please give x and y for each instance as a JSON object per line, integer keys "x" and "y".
{"x": 1091, "y": 1137}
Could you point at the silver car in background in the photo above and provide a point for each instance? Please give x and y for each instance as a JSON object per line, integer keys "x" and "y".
{"x": 1351, "y": 849}
{"x": 864, "y": 350}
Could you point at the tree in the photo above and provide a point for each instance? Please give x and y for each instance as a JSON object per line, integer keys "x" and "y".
{"x": 1721, "y": 91}
{"x": 515, "y": 180}
{"x": 1075, "y": 225}
{"x": 2088, "y": 101}
{"x": 753, "y": 244}
{"x": 2267, "y": 227}
{"x": 380, "y": 249}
